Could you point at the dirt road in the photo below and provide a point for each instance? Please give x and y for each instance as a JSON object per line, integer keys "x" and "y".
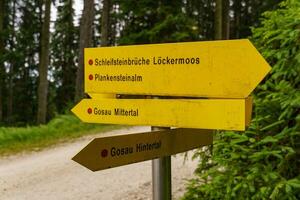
{"x": 51, "y": 174}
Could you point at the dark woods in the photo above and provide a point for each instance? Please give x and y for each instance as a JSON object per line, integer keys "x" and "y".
{"x": 41, "y": 59}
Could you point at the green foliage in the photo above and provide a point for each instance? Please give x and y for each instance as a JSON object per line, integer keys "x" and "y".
{"x": 155, "y": 22}
{"x": 63, "y": 58}
{"x": 24, "y": 63}
{"x": 61, "y": 128}
{"x": 262, "y": 162}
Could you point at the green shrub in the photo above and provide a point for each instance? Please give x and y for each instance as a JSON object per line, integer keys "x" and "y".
{"x": 264, "y": 161}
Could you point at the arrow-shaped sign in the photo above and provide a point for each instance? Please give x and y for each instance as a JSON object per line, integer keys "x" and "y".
{"x": 108, "y": 152}
{"x": 222, "y": 69}
{"x": 225, "y": 114}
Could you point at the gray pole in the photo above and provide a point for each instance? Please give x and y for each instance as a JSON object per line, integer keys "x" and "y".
{"x": 161, "y": 175}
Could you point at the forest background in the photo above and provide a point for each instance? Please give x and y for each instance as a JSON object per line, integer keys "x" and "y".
{"x": 41, "y": 77}
{"x": 41, "y": 60}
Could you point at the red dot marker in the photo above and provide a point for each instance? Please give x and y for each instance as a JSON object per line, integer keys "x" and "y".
{"x": 91, "y": 62}
{"x": 90, "y": 111}
{"x": 104, "y": 153}
{"x": 91, "y": 77}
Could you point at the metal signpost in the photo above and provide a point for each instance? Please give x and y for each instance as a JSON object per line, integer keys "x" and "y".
{"x": 204, "y": 85}
{"x": 161, "y": 174}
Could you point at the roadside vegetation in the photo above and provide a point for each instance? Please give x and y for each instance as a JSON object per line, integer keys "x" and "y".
{"x": 60, "y": 129}
{"x": 262, "y": 162}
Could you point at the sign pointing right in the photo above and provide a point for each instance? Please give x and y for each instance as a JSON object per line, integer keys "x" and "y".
{"x": 214, "y": 69}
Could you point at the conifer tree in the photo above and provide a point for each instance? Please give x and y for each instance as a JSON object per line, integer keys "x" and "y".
{"x": 85, "y": 40}
{"x": 12, "y": 58}
{"x": 105, "y": 23}
{"x": 2, "y": 70}
{"x": 155, "y": 22}
{"x": 26, "y": 61}
{"x": 64, "y": 54}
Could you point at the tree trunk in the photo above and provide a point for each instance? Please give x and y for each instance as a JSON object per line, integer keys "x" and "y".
{"x": 237, "y": 19}
{"x": 105, "y": 23}
{"x": 11, "y": 69}
{"x": 2, "y": 70}
{"x": 218, "y": 20}
{"x": 67, "y": 90}
{"x": 222, "y": 20}
{"x": 225, "y": 20}
{"x": 43, "y": 67}
{"x": 85, "y": 40}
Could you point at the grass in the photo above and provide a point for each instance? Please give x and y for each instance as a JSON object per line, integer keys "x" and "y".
{"x": 60, "y": 129}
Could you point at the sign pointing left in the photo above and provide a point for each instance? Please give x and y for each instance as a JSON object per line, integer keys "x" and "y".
{"x": 114, "y": 151}
{"x": 223, "y": 114}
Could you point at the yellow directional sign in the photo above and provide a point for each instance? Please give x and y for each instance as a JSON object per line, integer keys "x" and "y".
{"x": 225, "y": 114}
{"x": 223, "y": 69}
{"x": 108, "y": 152}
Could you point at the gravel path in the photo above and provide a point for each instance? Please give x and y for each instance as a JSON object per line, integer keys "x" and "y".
{"x": 51, "y": 174}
